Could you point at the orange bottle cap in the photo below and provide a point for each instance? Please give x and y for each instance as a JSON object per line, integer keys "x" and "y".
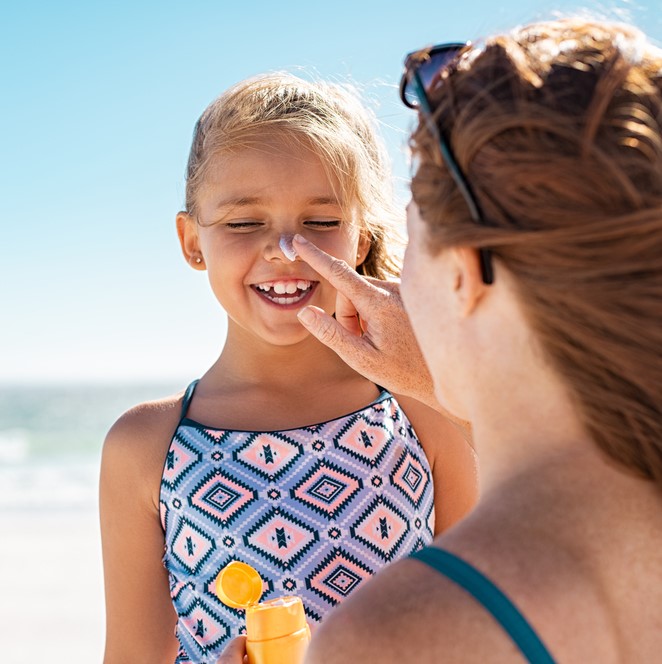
{"x": 238, "y": 585}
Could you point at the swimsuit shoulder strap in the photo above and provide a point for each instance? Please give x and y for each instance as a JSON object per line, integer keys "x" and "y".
{"x": 493, "y": 599}
{"x": 188, "y": 396}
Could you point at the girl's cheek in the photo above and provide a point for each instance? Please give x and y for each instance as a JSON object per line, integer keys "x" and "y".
{"x": 337, "y": 244}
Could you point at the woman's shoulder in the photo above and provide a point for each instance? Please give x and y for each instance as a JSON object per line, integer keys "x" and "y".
{"x": 409, "y": 613}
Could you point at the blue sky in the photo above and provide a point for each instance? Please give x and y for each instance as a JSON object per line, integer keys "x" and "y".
{"x": 98, "y": 106}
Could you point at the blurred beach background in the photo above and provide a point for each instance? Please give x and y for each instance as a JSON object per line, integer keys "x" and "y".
{"x": 51, "y": 606}
{"x": 99, "y": 311}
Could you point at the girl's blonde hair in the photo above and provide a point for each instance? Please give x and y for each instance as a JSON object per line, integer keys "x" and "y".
{"x": 324, "y": 117}
{"x": 558, "y": 128}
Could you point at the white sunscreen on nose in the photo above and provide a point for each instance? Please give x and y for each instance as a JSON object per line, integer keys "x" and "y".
{"x": 286, "y": 246}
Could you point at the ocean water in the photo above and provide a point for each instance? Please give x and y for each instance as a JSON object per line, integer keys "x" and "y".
{"x": 51, "y": 571}
{"x": 51, "y": 439}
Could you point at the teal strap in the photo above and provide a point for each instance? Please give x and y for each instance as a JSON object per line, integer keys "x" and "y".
{"x": 487, "y": 594}
{"x": 188, "y": 395}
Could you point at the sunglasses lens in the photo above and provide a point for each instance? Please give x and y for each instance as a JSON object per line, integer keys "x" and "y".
{"x": 410, "y": 95}
{"x": 428, "y": 71}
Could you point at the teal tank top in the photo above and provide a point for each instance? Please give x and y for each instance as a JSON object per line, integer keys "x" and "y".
{"x": 486, "y": 593}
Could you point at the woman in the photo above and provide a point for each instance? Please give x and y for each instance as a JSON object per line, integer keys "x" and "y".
{"x": 533, "y": 281}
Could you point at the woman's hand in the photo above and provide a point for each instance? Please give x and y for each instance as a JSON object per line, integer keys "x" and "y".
{"x": 371, "y": 331}
{"x": 235, "y": 652}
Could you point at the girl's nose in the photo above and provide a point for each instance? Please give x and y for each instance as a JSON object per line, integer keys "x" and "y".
{"x": 280, "y": 247}
{"x": 285, "y": 244}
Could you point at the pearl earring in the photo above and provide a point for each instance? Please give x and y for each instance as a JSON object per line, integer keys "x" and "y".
{"x": 198, "y": 260}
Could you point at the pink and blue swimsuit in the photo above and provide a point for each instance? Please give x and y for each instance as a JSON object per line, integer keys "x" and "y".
{"x": 316, "y": 510}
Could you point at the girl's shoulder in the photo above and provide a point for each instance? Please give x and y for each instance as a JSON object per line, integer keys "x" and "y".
{"x": 137, "y": 443}
{"x": 142, "y": 422}
{"x": 439, "y": 435}
{"x": 427, "y": 417}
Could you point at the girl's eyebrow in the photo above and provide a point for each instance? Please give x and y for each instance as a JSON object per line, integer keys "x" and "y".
{"x": 245, "y": 201}
{"x": 323, "y": 200}
{"x": 240, "y": 201}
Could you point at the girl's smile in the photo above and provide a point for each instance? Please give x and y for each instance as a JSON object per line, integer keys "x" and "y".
{"x": 286, "y": 293}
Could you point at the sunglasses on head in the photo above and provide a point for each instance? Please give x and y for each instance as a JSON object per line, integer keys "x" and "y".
{"x": 422, "y": 73}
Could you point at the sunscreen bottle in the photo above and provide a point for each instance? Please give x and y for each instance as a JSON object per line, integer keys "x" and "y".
{"x": 276, "y": 630}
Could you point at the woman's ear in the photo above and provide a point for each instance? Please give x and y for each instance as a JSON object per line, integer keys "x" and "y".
{"x": 187, "y": 232}
{"x": 469, "y": 285}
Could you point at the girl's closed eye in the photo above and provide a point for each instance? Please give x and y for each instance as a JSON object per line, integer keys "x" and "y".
{"x": 243, "y": 225}
{"x": 322, "y": 224}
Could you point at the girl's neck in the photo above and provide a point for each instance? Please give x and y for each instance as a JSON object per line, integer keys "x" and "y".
{"x": 257, "y": 387}
{"x": 247, "y": 362}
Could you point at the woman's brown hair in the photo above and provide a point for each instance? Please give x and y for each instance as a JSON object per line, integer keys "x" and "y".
{"x": 558, "y": 128}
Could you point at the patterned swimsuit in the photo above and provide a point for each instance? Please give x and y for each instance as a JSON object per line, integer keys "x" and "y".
{"x": 316, "y": 510}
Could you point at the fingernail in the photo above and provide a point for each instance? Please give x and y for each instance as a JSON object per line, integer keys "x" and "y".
{"x": 286, "y": 247}
{"x": 300, "y": 239}
{"x": 306, "y": 316}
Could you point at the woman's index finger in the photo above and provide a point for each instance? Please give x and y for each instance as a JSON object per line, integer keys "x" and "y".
{"x": 340, "y": 275}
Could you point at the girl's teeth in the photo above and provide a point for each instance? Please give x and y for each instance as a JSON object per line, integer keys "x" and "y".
{"x": 280, "y": 288}
{"x": 294, "y": 290}
{"x": 289, "y": 287}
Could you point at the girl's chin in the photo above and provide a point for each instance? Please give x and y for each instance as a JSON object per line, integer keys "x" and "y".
{"x": 287, "y": 335}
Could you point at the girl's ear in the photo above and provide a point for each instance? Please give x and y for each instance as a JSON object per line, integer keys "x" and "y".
{"x": 187, "y": 232}
{"x": 365, "y": 241}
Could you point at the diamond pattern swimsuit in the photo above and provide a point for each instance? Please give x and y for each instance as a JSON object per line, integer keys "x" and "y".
{"x": 316, "y": 510}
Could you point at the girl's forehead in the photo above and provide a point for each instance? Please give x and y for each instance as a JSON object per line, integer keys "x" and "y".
{"x": 268, "y": 141}
{"x": 270, "y": 170}
{"x": 264, "y": 153}
{"x": 253, "y": 186}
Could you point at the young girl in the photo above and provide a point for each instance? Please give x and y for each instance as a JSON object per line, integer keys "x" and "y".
{"x": 280, "y": 456}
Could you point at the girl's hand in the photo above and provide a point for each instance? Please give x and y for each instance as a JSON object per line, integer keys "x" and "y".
{"x": 235, "y": 652}
{"x": 371, "y": 331}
